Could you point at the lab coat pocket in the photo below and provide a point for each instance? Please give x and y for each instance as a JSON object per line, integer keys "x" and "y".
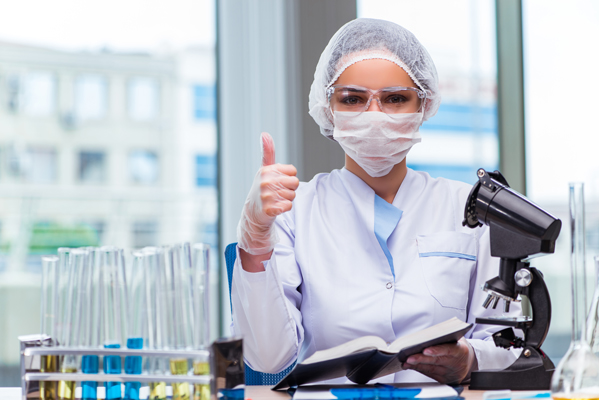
{"x": 447, "y": 260}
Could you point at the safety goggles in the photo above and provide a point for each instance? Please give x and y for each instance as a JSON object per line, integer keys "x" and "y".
{"x": 391, "y": 100}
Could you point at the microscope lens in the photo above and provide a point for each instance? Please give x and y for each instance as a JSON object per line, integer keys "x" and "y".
{"x": 495, "y": 301}
{"x": 488, "y": 301}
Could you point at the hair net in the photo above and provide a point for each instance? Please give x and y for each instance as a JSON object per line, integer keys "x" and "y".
{"x": 365, "y": 39}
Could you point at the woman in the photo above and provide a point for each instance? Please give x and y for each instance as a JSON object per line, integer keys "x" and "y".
{"x": 374, "y": 248}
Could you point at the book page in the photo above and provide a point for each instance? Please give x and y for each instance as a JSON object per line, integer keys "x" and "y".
{"x": 441, "y": 329}
{"x": 353, "y": 346}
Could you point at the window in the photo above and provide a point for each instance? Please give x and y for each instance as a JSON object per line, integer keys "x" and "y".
{"x": 85, "y": 116}
{"x": 143, "y": 167}
{"x": 92, "y": 167}
{"x": 91, "y": 97}
{"x": 142, "y": 100}
{"x": 462, "y": 137}
{"x": 204, "y": 102}
{"x": 13, "y": 93}
{"x": 561, "y": 142}
{"x": 39, "y": 94}
{"x": 39, "y": 165}
{"x": 206, "y": 170}
{"x": 145, "y": 233}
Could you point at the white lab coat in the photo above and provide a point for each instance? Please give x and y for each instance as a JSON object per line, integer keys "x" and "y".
{"x": 329, "y": 281}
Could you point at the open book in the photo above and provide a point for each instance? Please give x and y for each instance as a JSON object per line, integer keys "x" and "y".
{"x": 369, "y": 357}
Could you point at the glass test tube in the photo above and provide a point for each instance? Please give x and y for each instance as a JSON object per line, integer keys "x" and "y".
{"x": 577, "y": 260}
{"x": 156, "y": 327}
{"x": 91, "y": 324}
{"x": 137, "y": 322}
{"x": 201, "y": 320}
{"x": 114, "y": 313}
{"x": 49, "y": 310}
{"x": 64, "y": 274}
{"x": 73, "y": 317}
{"x": 70, "y": 312}
{"x": 179, "y": 311}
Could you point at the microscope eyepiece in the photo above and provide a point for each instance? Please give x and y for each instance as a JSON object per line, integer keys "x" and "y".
{"x": 519, "y": 228}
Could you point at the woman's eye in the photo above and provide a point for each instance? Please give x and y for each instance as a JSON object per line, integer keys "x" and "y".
{"x": 351, "y": 100}
{"x": 396, "y": 99}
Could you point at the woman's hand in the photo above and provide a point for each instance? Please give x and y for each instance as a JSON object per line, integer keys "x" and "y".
{"x": 445, "y": 363}
{"x": 271, "y": 194}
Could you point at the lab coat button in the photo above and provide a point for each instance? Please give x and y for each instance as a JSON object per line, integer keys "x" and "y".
{"x": 389, "y": 285}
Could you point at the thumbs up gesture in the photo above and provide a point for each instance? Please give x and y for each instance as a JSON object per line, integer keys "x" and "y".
{"x": 271, "y": 194}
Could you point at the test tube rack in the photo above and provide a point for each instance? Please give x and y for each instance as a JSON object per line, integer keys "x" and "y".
{"x": 32, "y": 349}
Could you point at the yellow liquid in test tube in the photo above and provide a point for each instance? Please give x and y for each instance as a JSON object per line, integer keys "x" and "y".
{"x": 157, "y": 391}
{"x": 180, "y": 390}
{"x": 66, "y": 389}
{"x": 201, "y": 392}
{"x": 48, "y": 388}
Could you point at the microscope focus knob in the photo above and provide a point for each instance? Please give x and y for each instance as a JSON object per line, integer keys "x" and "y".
{"x": 523, "y": 277}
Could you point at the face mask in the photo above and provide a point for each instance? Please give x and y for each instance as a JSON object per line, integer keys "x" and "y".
{"x": 375, "y": 140}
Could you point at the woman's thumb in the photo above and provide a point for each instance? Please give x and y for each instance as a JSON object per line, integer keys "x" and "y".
{"x": 268, "y": 149}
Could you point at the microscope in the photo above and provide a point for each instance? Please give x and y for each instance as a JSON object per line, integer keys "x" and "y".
{"x": 519, "y": 230}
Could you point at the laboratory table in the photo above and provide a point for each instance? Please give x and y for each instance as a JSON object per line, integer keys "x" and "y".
{"x": 264, "y": 393}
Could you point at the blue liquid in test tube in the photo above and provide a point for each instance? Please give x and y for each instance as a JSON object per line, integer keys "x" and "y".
{"x": 133, "y": 366}
{"x": 112, "y": 365}
{"x": 89, "y": 365}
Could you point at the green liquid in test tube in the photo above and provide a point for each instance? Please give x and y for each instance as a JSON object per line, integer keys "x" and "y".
{"x": 155, "y": 317}
{"x": 201, "y": 320}
{"x": 49, "y": 310}
{"x": 114, "y": 313}
{"x": 137, "y": 322}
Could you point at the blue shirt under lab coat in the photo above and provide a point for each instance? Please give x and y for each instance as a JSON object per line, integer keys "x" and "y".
{"x": 331, "y": 280}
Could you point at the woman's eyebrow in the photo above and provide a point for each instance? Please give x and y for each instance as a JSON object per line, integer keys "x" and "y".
{"x": 355, "y": 89}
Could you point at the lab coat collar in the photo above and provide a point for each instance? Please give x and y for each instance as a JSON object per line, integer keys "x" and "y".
{"x": 403, "y": 198}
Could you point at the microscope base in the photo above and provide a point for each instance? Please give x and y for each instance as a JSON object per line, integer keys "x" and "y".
{"x": 526, "y": 373}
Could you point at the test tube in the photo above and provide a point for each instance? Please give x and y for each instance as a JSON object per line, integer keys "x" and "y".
{"x": 179, "y": 312}
{"x": 114, "y": 287}
{"x": 201, "y": 320}
{"x": 137, "y": 322}
{"x": 67, "y": 286}
{"x": 49, "y": 310}
{"x": 72, "y": 319}
{"x": 64, "y": 275}
{"x": 91, "y": 322}
{"x": 156, "y": 327}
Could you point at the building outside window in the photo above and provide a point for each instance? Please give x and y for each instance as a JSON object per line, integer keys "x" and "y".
{"x": 143, "y": 99}
{"x": 204, "y": 102}
{"x": 95, "y": 86}
{"x": 92, "y": 167}
{"x": 91, "y": 97}
{"x": 145, "y": 233}
{"x": 13, "y": 93}
{"x": 205, "y": 170}
{"x": 143, "y": 167}
{"x": 39, "y": 94}
{"x": 39, "y": 165}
